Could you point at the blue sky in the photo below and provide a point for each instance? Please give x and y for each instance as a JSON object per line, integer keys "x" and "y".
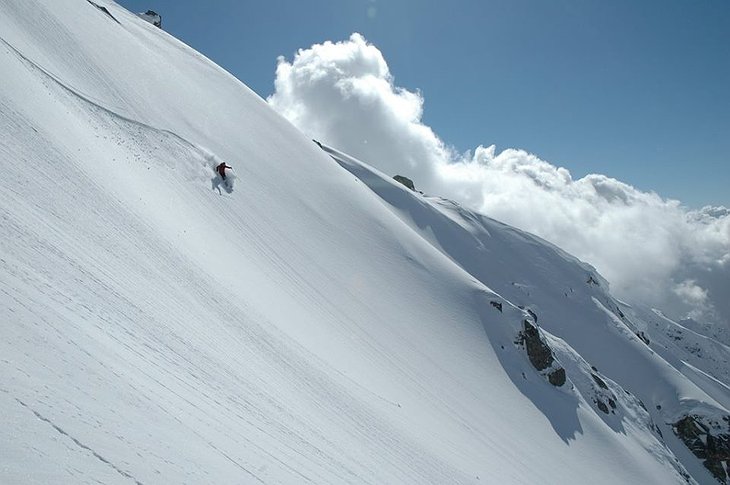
{"x": 639, "y": 91}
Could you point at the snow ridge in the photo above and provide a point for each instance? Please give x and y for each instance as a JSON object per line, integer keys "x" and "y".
{"x": 478, "y": 244}
{"x": 319, "y": 324}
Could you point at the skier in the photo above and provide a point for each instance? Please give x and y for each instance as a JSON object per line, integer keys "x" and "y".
{"x": 221, "y": 169}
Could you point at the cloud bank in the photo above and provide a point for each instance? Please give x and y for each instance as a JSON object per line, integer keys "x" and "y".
{"x": 650, "y": 249}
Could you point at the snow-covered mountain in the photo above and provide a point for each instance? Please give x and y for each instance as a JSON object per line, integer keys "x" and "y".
{"x": 318, "y": 323}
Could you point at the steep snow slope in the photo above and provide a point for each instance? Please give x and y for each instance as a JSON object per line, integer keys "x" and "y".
{"x": 156, "y": 330}
{"x": 673, "y": 374}
{"x": 673, "y": 340}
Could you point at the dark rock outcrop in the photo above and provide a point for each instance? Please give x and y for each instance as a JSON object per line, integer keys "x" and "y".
{"x": 557, "y": 377}
{"x": 708, "y": 441}
{"x": 603, "y": 398}
{"x": 599, "y": 381}
{"x": 540, "y": 354}
{"x": 643, "y": 337}
{"x": 405, "y": 181}
{"x": 152, "y": 17}
{"x": 496, "y": 305}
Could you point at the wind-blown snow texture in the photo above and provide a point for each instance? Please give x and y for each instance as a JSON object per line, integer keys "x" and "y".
{"x": 318, "y": 324}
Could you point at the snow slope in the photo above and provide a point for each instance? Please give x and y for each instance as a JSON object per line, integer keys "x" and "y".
{"x": 306, "y": 327}
{"x": 678, "y": 373}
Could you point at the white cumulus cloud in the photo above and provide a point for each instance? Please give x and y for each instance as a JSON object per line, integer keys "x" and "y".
{"x": 651, "y": 249}
{"x": 690, "y": 292}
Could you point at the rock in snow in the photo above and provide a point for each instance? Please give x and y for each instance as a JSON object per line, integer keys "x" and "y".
{"x": 152, "y": 17}
{"x": 405, "y": 181}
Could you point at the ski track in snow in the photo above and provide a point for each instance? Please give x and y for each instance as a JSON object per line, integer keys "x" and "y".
{"x": 80, "y": 444}
{"x": 303, "y": 331}
{"x": 48, "y": 248}
{"x": 96, "y": 104}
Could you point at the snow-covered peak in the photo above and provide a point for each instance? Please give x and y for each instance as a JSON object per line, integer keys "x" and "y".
{"x": 316, "y": 322}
